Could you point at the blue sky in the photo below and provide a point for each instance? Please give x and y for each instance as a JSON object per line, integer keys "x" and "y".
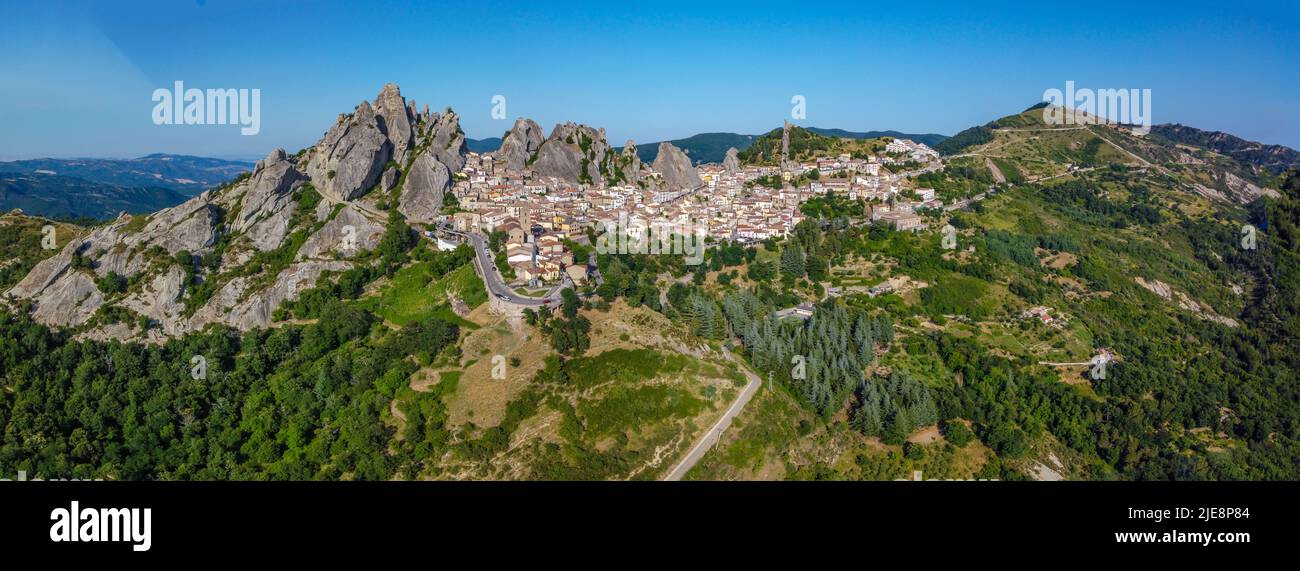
{"x": 77, "y": 76}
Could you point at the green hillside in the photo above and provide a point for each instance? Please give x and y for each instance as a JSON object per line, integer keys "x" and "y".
{"x": 974, "y": 360}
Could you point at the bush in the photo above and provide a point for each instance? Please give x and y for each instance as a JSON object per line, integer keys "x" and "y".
{"x": 111, "y": 283}
{"x": 957, "y": 433}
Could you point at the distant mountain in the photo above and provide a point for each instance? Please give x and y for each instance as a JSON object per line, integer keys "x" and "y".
{"x": 701, "y": 148}
{"x": 1273, "y": 158}
{"x": 488, "y": 145}
{"x": 712, "y": 147}
{"x": 929, "y": 139}
{"x": 186, "y": 174}
{"x": 56, "y": 196}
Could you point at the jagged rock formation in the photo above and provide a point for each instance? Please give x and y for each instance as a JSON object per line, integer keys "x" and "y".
{"x": 67, "y": 296}
{"x": 347, "y": 234}
{"x": 69, "y": 301}
{"x": 398, "y": 121}
{"x": 732, "y": 161}
{"x": 224, "y": 230}
{"x": 676, "y": 168}
{"x": 520, "y": 144}
{"x": 630, "y": 165}
{"x": 349, "y": 159}
{"x": 160, "y": 300}
{"x": 575, "y": 153}
{"x": 266, "y": 204}
{"x": 424, "y": 189}
{"x": 389, "y": 178}
{"x": 235, "y": 305}
{"x": 447, "y": 140}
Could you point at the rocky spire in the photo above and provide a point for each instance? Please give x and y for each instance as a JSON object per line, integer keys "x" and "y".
{"x": 630, "y": 163}
{"x": 568, "y": 149}
{"x": 447, "y": 140}
{"x": 732, "y": 161}
{"x": 676, "y": 167}
{"x": 349, "y": 159}
{"x": 398, "y": 121}
{"x": 520, "y": 144}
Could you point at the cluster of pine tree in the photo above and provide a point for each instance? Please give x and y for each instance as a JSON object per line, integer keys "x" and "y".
{"x": 892, "y": 408}
{"x": 822, "y": 358}
{"x": 704, "y": 315}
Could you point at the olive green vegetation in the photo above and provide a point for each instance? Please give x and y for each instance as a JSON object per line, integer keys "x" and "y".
{"x": 1201, "y": 399}
{"x": 22, "y": 245}
{"x": 295, "y": 402}
{"x": 1204, "y": 386}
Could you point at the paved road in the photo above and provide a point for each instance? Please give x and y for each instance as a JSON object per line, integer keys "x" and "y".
{"x": 714, "y": 433}
{"x": 492, "y": 279}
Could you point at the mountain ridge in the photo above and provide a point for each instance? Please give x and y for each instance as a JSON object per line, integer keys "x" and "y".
{"x": 103, "y": 188}
{"x": 711, "y": 147}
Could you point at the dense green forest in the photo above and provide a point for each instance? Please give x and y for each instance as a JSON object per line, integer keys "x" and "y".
{"x": 295, "y": 402}
{"x": 1190, "y": 397}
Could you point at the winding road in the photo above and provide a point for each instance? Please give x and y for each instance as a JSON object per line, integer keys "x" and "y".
{"x": 714, "y": 433}
{"x": 492, "y": 279}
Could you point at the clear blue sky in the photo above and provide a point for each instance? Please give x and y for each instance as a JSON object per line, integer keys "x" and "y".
{"x": 76, "y": 77}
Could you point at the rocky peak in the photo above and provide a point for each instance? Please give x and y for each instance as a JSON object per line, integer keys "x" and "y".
{"x": 447, "y": 140}
{"x": 255, "y": 214}
{"x": 630, "y": 163}
{"x": 349, "y": 159}
{"x": 264, "y": 203}
{"x": 398, "y": 120}
{"x": 732, "y": 161}
{"x": 574, "y": 152}
{"x": 520, "y": 144}
{"x": 675, "y": 167}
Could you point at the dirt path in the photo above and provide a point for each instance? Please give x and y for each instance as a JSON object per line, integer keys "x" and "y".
{"x": 997, "y": 173}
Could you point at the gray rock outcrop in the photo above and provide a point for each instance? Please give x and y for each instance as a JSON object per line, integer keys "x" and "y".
{"x": 389, "y": 180}
{"x": 732, "y": 161}
{"x": 334, "y": 237}
{"x": 575, "y": 153}
{"x": 786, "y": 163}
{"x": 349, "y": 159}
{"x": 424, "y": 189}
{"x": 398, "y": 121}
{"x": 69, "y": 302}
{"x": 630, "y": 165}
{"x": 265, "y": 202}
{"x": 676, "y": 167}
{"x": 160, "y": 299}
{"x": 233, "y": 305}
{"x": 520, "y": 144}
{"x": 447, "y": 140}
{"x": 258, "y": 213}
